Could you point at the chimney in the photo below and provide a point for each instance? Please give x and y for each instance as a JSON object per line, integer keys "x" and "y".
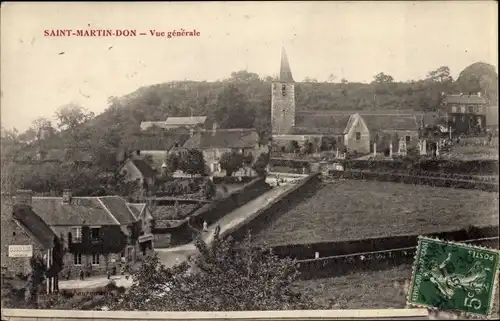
{"x": 24, "y": 197}
{"x": 67, "y": 195}
{"x": 214, "y": 128}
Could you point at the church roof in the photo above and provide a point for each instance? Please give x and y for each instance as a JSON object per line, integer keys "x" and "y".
{"x": 321, "y": 123}
{"x": 285, "y": 72}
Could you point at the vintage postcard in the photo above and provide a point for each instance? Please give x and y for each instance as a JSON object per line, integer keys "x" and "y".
{"x": 266, "y": 159}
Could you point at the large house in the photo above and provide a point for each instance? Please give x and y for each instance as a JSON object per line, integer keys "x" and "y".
{"x": 349, "y": 131}
{"x": 97, "y": 233}
{"x": 214, "y": 143}
{"x": 136, "y": 169}
{"x": 467, "y": 113}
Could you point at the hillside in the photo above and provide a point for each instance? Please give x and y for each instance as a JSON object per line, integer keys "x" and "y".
{"x": 241, "y": 101}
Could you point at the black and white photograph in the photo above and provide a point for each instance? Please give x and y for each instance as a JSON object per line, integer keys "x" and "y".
{"x": 274, "y": 160}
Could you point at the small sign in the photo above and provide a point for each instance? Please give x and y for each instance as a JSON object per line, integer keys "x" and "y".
{"x": 20, "y": 250}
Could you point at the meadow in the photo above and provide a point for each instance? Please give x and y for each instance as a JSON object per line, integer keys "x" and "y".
{"x": 355, "y": 209}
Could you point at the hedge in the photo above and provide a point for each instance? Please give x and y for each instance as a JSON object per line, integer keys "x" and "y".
{"x": 325, "y": 249}
{"x": 471, "y": 167}
{"x": 485, "y": 184}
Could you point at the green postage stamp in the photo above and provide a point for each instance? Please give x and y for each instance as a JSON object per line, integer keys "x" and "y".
{"x": 454, "y": 276}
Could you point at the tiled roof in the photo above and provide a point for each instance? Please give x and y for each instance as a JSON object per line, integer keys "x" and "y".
{"x": 149, "y": 124}
{"x": 321, "y": 123}
{"x": 376, "y": 122}
{"x": 465, "y": 99}
{"x": 185, "y": 121}
{"x": 224, "y": 138}
{"x": 136, "y": 208}
{"x": 119, "y": 209}
{"x": 144, "y": 168}
{"x": 157, "y": 142}
{"x": 35, "y": 225}
{"x": 106, "y": 210}
{"x": 169, "y": 212}
{"x": 28, "y": 220}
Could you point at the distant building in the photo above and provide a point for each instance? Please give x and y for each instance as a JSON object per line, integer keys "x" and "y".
{"x": 138, "y": 170}
{"x": 213, "y": 143}
{"x": 349, "y": 131}
{"x": 54, "y": 155}
{"x": 491, "y": 113}
{"x": 176, "y": 122}
{"x": 467, "y": 113}
{"x": 386, "y": 127}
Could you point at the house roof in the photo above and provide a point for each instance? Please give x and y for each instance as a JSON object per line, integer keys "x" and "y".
{"x": 105, "y": 210}
{"x": 321, "y": 123}
{"x": 143, "y": 167}
{"x": 28, "y": 220}
{"x": 377, "y": 122}
{"x": 465, "y": 99}
{"x": 185, "y": 121}
{"x": 56, "y": 155}
{"x": 163, "y": 142}
{"x": 224, "y": 138}
{"x": 136, "y": 208}
{"x": 148, "y": 124}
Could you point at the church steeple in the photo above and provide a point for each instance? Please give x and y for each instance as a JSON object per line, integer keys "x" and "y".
{"x": 285, "y": 72}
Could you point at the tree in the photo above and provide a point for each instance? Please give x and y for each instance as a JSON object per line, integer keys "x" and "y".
{"x": 192, "y": 162}
{"x": 293, "y": 146}
{"x": 311, "y": 80}
{"x": 231, "y": 162}
{"x": 172, "y": 162}
{"x": 209, "y": 189}
{"x": 442, "y": 74}
{"x": 382, "y": 78}
{"x": 243, "y": 76}
{"x": 331, "y": 78}
{"x": 260, "y": 164}
{"x": 221, "y": 278}
{"x": 72, "y": 115}
{"x": 233, "y": 109}
{"x": 35, "y": 279}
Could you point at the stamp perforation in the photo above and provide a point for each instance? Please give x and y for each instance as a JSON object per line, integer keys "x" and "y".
{"x": 461, "y": 245}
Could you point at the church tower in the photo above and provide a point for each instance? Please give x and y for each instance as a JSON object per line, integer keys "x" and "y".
{"x": 283, "y": 100}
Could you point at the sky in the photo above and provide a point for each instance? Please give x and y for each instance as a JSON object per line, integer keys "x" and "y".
{"x": 352, "y": 40}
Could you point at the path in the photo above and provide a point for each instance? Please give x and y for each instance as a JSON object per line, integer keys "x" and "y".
{"x": 175, "y": 255}
{"x": 229, "y": 223}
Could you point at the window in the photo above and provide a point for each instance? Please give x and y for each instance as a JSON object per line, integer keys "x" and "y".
{"x": 283, "y": 90}
{"x": 462, "y": 109}
{"x": 453, "y": 119}
{"x": 94, "y": 234}
{"x": 95, "y": 259}
{"x": 453, "y": 109}
{"x": 358, "y": 136}
{"x": 471, "y": 109}
{"x": 76, "y": 234}
{"x": 408, "y": 138}
{"x": 77, "y": 258}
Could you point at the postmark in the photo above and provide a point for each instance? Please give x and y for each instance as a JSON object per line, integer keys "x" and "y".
{"x": 454, "y": 276}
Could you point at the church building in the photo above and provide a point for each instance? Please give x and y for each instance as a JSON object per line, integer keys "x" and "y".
{"x": 318, "y": 130}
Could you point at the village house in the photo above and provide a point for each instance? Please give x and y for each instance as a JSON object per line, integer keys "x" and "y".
{"x": 24, "y": 235}
{"x": 97, "y": 233}
{"x": 347, "y": 131}
{"x": 176, "y": 122}
{"x": 467, "y": 113}
{"x": 138, "y": 170}
{"x": 214, "y": 143}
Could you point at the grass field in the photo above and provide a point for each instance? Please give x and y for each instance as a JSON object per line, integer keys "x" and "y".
{"x": 353, "y": 210}
{"x": 366, "y": 290}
